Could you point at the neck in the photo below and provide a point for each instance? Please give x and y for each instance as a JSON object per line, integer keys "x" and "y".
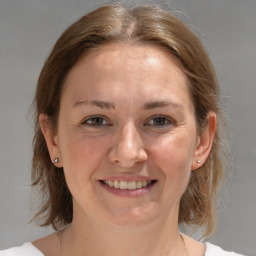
{"x": 154, "y": 239}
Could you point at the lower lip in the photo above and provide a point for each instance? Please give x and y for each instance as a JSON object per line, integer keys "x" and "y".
{"x": 128, "y": 192}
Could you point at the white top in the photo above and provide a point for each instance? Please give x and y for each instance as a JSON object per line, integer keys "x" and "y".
{"x": 213, "y": 250}
{"x": 28, "y": 249}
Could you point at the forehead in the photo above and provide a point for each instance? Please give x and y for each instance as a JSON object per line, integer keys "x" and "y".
{"x": 136, "y": 59}
{"x": 114, "y": 67}
{"x": 144, "y": 57}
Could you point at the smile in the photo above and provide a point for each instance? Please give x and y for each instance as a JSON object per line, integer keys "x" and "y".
{"x": 130, "y": 185}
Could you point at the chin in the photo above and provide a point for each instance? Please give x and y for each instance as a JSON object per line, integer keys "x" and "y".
{"x": 131, "y": 218}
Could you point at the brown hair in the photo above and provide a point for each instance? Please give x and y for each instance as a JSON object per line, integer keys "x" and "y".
{"x": 140, "y": 25}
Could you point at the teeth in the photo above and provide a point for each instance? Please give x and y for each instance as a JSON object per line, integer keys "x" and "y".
{"x": 139, "y": 184}
{"x": 110, "y": 183}
{"x": 116, "y": 184}
{"x": 123, "y": 184}
{"x": 131, "y": 185}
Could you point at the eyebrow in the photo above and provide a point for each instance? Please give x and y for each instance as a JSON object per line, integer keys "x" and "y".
{"x": 161, "y": 104}
{"x": 147, "y": 106}
{"x": 97, "y": 103}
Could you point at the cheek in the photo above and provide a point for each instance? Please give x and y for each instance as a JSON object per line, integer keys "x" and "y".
{"x": 81, "y": 155}
{"x": 174, "y": 157}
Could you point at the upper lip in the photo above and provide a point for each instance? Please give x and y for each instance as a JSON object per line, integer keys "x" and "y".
{"x": 128, "y": 178}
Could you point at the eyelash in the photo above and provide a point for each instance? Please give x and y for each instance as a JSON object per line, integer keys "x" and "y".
{"x": 94, "y": 118}
{"x": 164, "y": 121}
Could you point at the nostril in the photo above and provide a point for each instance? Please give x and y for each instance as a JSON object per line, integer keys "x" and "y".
{"x": 128, "y": 158}
{"x": 127, "y": 149}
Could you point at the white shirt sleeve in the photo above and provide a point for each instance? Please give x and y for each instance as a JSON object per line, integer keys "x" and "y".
{"x": 27, "y": 249}
{"x": 213, "y": 250}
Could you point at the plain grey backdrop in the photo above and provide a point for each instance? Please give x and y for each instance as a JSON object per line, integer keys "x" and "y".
{"x": 28, "y": 30}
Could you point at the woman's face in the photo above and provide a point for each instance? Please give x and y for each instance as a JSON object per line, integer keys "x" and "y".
{"x": 126, "y": 135}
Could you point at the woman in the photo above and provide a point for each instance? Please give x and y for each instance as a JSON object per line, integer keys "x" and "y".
{"x": 127, "y": 138}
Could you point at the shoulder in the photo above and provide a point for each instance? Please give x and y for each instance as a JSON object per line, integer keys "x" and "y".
{"x": 213, "y": 250}
{"x": 27, "y": 249}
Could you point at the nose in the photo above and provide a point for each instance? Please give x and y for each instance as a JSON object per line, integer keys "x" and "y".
{"x": 128, "y": 150}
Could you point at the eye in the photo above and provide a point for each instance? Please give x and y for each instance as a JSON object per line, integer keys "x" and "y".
{"x": 95, "y": 121}
{"x": 159, "y": 121}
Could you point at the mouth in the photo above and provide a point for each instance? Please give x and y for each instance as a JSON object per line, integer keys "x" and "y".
{"x": 128, "y": 185}
{"x": 131, "y": 188}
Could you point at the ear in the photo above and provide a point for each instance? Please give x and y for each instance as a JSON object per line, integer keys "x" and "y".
{"x": 51, "y": 139}
{"x": 204, "y": 142}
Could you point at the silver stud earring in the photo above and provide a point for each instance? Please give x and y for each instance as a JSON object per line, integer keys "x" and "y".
{"x": 56, "y": 160}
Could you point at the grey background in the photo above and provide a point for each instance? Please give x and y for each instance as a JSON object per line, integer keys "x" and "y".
{"x": 28, "y": 30}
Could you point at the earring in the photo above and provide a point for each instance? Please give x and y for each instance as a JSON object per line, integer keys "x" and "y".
{"x": 198, "y": 162}
{"x": 56, "y": 160}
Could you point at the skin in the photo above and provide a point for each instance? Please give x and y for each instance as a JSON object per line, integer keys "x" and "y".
{"x": 126, "y": 114}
